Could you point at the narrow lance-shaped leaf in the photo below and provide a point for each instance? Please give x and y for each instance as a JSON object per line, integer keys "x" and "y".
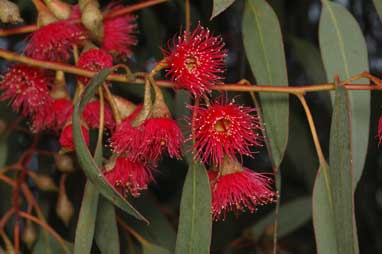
{"x": 194, "y": 230}
{"x": 85, "y": 159}
{"x": 344, "y": 53}
{"x": 265, "y": 53}
{"x": 334, "y": 210}
{"x": 378, "y": 7}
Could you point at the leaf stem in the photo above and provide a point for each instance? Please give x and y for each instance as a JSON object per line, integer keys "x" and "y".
{"x": 320, "y": 154}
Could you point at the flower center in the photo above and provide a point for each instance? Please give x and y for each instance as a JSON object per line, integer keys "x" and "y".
{"x": 222, "y": 125}
{"x": 191, "y": 62}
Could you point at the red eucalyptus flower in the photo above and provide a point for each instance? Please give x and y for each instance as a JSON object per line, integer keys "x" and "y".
{"x": 91, "y": 115}
{"x": 119, "y": 34}
{"x": 238, "y": 191}
{"x": 94, "y": 60}
{"x": 126, "y": 139}
{"x": 129, "y": 176}
{"x": 54, "y": 41}
{"x": 57, "y": 115}
{"x": 66, "y": 138}
{"x": 27, "y": 88}
{"x": 224, "y": 129}
{"x": 159, "y": 135}
{"x": 196, "y": 61}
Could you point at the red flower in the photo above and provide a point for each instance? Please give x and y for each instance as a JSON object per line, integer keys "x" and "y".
{"x": 91, "y": 115}
{"x": 159, "y": 135}
{"x": 238, "y": 191}
{"x": 129, "y": 176}
{"x": 126, "y": 139}
{"x": 55, "y": 117}
{"x": 94, "y": 60}
{"x": 66, "y": 138}
{"x": 119, "y": 34}
{"x": 54, "y": 41}
{"x": 224, "y": 129}
{"x": 27, "y": 88}
{"x": 196, "y": 61}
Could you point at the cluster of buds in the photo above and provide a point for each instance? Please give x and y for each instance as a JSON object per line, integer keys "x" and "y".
{"x": 221, "y": 131}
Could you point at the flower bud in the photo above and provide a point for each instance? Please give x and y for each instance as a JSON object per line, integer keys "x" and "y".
{"x": 9, "y": 12}
{"x": 64, "y": 207}
{"x": 92, "y": 19}
{"x": 64, "y": 163}
{"x": 60, "y": 9}
{"x": 29, "y": 234}
{"x": 125, "y": 107}
{"x": 43, "y": 182}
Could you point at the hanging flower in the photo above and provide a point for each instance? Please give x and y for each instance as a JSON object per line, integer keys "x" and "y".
{"x": 66, "y": 138}
{"x": 119, "y": 34}
{"x": 55, "y": 117}
{"x": 224, "y": 129}
{"x": 196, "y": 60}
{"x": 91, "y": 115}
{"x": 27, "y": 88}
{"x": 55, "y": 41}
{"x": 94, "y": 60}
{"x": 126, "y": 139}
{"x": 129, "y": 176}
{"x": 238, "y": 189}
{"x": 159, "y": 135}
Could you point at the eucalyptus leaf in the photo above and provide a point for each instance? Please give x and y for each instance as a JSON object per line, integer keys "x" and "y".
{"x": 46, "y": 244}
{"x": 292, "y": 215}
{"x": 344, "y": 53}
{"x": 195, "y": 222}
{"x": 85, "y": 159}
{"x": 378, "y": 7}
{"x": 265, "y": 53}
{"x": 333, "y": 201}
{"x": 3, "y": 151}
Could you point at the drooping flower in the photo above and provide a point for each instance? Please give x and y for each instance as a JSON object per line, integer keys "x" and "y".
{"x": 119, "y": 34}
{"x": 94, "y": 60}
{"x": 159, "y": 135}
{"x": 27, "y": 88}
{"x": 66, "y": 138}
{"x": 57, "y": 115}
{"x": 55, "y": 41}
{"x": 239, "y": 190}
{"x": 224, "y": 129}
{"x": 196, "y": 60}
{"x": 126, "y": 139}
{"x": 129, "y": 176}
{"x": 91, "y": 115}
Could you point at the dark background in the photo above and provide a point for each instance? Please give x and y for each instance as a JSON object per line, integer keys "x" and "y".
{"x": 299, "y": 21}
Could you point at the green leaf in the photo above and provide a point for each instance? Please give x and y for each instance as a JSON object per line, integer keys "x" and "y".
{"x": 344, "y": 53}
{"x": 292, "y": 215}
{"x": 194, "y": 230}
{"x": 86, "y": 220}
{"x": 378, "y": 6}
{"x": 47, "y": 244}
{"x": 265, "y": 53}
{"x": 333, "y": 198}
{"x": 220, "y": 6}
{"x": 106, "y": 233}
{"x": 85, "y": 159}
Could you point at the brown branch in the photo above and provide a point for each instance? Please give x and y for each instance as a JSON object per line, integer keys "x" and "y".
{"x": 112, "y": 14}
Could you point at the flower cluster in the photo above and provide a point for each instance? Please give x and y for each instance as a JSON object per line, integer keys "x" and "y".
{"x": 140, "y": 136}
